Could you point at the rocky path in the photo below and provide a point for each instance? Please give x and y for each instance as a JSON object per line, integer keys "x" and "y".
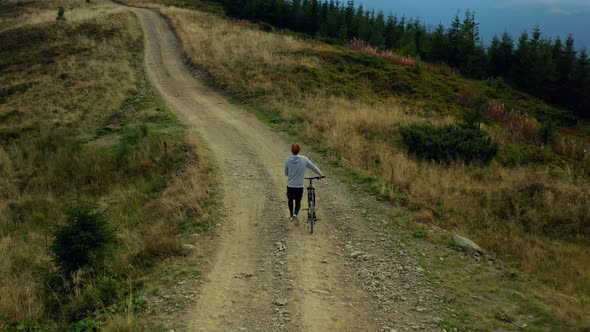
{"x": 268, "y": 275}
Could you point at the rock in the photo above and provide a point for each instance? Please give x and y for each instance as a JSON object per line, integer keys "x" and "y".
{"x": 280, "y": 246}
{"x": 280, "y": 302}
{"x": 188, "y": 247}
{"x": 467, "y": 245}
{"x": 356, "y": 254}
{"x": 243, "y": 275}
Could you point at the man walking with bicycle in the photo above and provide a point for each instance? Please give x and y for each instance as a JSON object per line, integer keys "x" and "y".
{"x": 295, "y": 167}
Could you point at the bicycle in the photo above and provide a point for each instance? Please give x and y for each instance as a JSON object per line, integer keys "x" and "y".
{"x": 311, "y": 213}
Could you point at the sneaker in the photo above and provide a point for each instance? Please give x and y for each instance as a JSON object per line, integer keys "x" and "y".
{"x": 295, "y": 220}
{"x": 291, "y": 218}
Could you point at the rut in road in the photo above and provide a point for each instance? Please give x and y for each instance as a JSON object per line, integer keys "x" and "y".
{"x": 267, "y": 274}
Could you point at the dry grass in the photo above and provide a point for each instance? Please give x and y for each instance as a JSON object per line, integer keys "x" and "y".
{"x": 535, "y": 217}
{"x": 20, "y": 257}
{"x": 78, "y": 120}
{"x": 31, "y": 155}
{"x": 123, "y": 323}
{"x": 74, "y": 13}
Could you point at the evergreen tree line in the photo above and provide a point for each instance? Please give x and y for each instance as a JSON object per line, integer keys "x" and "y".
{"x": 547, "y": 68}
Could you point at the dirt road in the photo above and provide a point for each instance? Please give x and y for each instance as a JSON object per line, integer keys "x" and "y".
{"x": 268, "y": 275}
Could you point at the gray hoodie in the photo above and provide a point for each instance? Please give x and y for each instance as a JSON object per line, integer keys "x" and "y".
{"x": 295, "y": 167}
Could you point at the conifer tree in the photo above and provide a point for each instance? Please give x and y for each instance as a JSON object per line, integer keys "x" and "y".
{"x": 378, "y": 31}
{"x": 507, "y": 50}
{"x": 522, "y": 61}
{"x": 565, "y": 71}
{"x": 544, "y": 67}
{"x": 582, "y": 83}
{"x": 390, "y": 32}
{"x": 454, "y": 37}
{"x": 439, "y": 45}
{"x": 495, "y": 58}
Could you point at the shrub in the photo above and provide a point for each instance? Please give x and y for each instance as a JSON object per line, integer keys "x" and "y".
{"x": 86, "y": 325}
{"x": 419, "y": 68}
{"x": 559, "y": 117}
{"x": 84, "y": 240}
{"x": 548, "y": 133}
{"x": 448, "y": 143}
{"x": 515, "y": 154}
{"x": 61, "y": 13}
{"x": 477, "y": 113}
{"x": 586, "y": 166}
{"x": 28, "y": 327}
{"x": 264, "y": 26}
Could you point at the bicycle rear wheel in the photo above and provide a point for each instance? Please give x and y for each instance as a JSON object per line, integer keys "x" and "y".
{"x": 311, "y": 218}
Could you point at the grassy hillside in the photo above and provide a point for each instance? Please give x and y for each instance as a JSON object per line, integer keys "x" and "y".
{"x": 530, "y": 206}
{"x": 80, "y": 123}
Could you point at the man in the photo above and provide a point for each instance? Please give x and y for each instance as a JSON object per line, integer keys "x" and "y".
{"x": 295, "y": 167}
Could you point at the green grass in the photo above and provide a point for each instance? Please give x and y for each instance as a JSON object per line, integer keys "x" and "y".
{"x": 81, "y": 121}
{"x": 365, "y": 77}
{"x": 474, "y": 291}
{"x": 206, "y": 6}
{"x": 349, "y": 106}
{"x": 481, "y": 295}
{"x": 584, "y": 127}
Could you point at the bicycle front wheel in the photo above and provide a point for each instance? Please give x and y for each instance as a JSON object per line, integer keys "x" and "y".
{"x": 311, "y": 217}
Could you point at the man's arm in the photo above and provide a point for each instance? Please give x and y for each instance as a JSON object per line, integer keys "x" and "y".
{"x": 286, "y": 170}
{"x": 314, "y": 168}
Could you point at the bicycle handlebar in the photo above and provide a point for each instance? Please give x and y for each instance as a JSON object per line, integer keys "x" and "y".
{"x": 316, "y": 178}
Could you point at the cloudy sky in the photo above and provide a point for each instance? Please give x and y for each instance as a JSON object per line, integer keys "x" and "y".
{"x": 555, "y": 17}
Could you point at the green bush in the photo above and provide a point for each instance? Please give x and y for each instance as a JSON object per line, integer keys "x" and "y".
{"x": 559, "y": 117}
{"x": 514, "y": 155}
{"x": 548, "y": 133}
{"x": 419, "y": 68}
{"x": 448, "y": 143}
{"x": 28, "y": 327}
{"x": 476, "y": 114}
{"x": 264, "y": 26}
{"x": 84, "y": 240}
{"x": 586, "y": 166}
{"x": 61, "y": 13}
{"x": 86, "y": 325}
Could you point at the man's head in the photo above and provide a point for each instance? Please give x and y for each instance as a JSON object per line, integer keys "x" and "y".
{"x": 295, "y": 148}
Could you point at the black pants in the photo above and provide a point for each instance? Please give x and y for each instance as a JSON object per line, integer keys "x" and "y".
{"x": 294, "y": 194}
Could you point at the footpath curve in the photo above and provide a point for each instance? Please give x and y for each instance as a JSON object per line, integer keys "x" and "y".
{"x": 268, "y": 275}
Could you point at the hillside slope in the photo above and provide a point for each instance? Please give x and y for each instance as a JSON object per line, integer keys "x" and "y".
{"x": 267, "y": 274}
{"x": 381, "y": 258}
{"x": 81, "y": 126}
{"x": 530, "y": 206}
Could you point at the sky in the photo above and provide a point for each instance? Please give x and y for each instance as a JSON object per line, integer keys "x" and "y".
{"x": 554, "y": 17}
